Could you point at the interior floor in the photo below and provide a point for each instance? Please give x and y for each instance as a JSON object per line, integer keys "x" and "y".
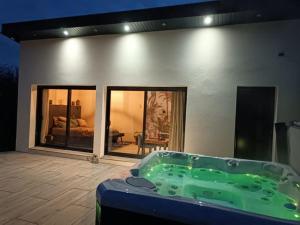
{"x": 131, "y": 149}
{"x": 128, "y": 149}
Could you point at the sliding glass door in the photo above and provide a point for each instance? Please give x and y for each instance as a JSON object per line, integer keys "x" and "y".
{"x": 53, "y": 116}
{"x": 65, "y": 117}
{"x": 125, "y": 124}
{"x": 140, "y": 120}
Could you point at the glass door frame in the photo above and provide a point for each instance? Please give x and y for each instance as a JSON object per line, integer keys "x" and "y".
{"x": 39, "y": 115}
{"x": 136, "y": 88}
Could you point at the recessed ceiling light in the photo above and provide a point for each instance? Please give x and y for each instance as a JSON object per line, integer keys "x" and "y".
{"x": 127, "y": 28}
{"x": 66, "y": 33}
{"x": 207, "y": 20}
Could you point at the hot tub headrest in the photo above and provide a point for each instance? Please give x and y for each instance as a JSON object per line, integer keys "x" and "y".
{"x": 139, "y": 182}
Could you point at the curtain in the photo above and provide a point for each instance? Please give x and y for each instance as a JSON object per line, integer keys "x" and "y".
{"x": 176, "y": 139}
{"x": 45, "y": 119}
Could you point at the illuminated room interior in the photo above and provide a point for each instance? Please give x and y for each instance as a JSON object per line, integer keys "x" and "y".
{"x": 68, "y": 118}
{"x": 140, "y": 121}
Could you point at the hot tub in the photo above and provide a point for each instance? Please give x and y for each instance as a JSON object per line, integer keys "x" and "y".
{"x": 179, "y": 188}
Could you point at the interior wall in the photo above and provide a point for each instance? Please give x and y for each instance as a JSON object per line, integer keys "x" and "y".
{"x": 211, "y": 62}
{"x": 126, "y": 113}
{"x": 87, "y": 101}
{"x": 88, "y": 104}
{"x": 58, "y": 96}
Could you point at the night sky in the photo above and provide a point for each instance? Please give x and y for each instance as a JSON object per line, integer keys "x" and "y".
{"x": 24, "y": 10}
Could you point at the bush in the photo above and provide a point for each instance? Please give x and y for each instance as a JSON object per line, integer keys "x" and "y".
{"x": 8, "y": 107}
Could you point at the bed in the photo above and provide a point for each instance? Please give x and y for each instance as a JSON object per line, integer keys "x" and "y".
{"x": 80, "y": 134}
{"x": 74, "y": 131}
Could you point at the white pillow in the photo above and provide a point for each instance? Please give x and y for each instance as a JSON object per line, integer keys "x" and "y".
{"x": 82, "y": 123}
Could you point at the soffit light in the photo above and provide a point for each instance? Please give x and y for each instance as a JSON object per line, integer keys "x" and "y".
{"x": 126, "y": 28}
{"x": 66, "y": 33}
{"x": 207, "y": 20}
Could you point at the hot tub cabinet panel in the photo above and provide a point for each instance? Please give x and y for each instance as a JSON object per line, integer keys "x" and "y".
{"x": 201, "y": 195}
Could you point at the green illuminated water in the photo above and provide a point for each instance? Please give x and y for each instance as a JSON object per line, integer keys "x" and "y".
{"x": 246, "y": 192}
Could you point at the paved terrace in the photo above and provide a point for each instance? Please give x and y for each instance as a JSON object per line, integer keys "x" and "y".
{"x": 46, "y": 190}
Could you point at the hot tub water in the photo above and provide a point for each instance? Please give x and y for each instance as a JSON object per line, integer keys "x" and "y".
{"x": 249, "y": 192}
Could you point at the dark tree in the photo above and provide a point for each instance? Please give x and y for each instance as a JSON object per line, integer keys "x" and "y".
{"x": 8, "y": 107}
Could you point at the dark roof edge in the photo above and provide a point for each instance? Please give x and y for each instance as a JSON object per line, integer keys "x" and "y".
{"x": 280, "y": 9}
{"x": 165, "y": 12}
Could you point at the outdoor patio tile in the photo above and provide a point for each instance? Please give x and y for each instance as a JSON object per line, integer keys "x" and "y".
{"x": 67, "y": 216}
{"x": 18, "y": 222}
{"x": 38, "y": 189}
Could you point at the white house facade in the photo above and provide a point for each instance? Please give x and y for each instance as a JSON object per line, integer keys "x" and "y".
{"x": 208, "y": 63}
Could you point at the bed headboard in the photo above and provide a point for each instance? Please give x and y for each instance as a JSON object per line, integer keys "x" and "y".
{"x": 61, "y": 110}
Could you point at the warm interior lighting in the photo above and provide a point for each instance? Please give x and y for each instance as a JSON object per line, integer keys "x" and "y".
{"x": 208, "y": 20}
{"x": 127, "y": 28}
{"x": 66, "y": 33}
